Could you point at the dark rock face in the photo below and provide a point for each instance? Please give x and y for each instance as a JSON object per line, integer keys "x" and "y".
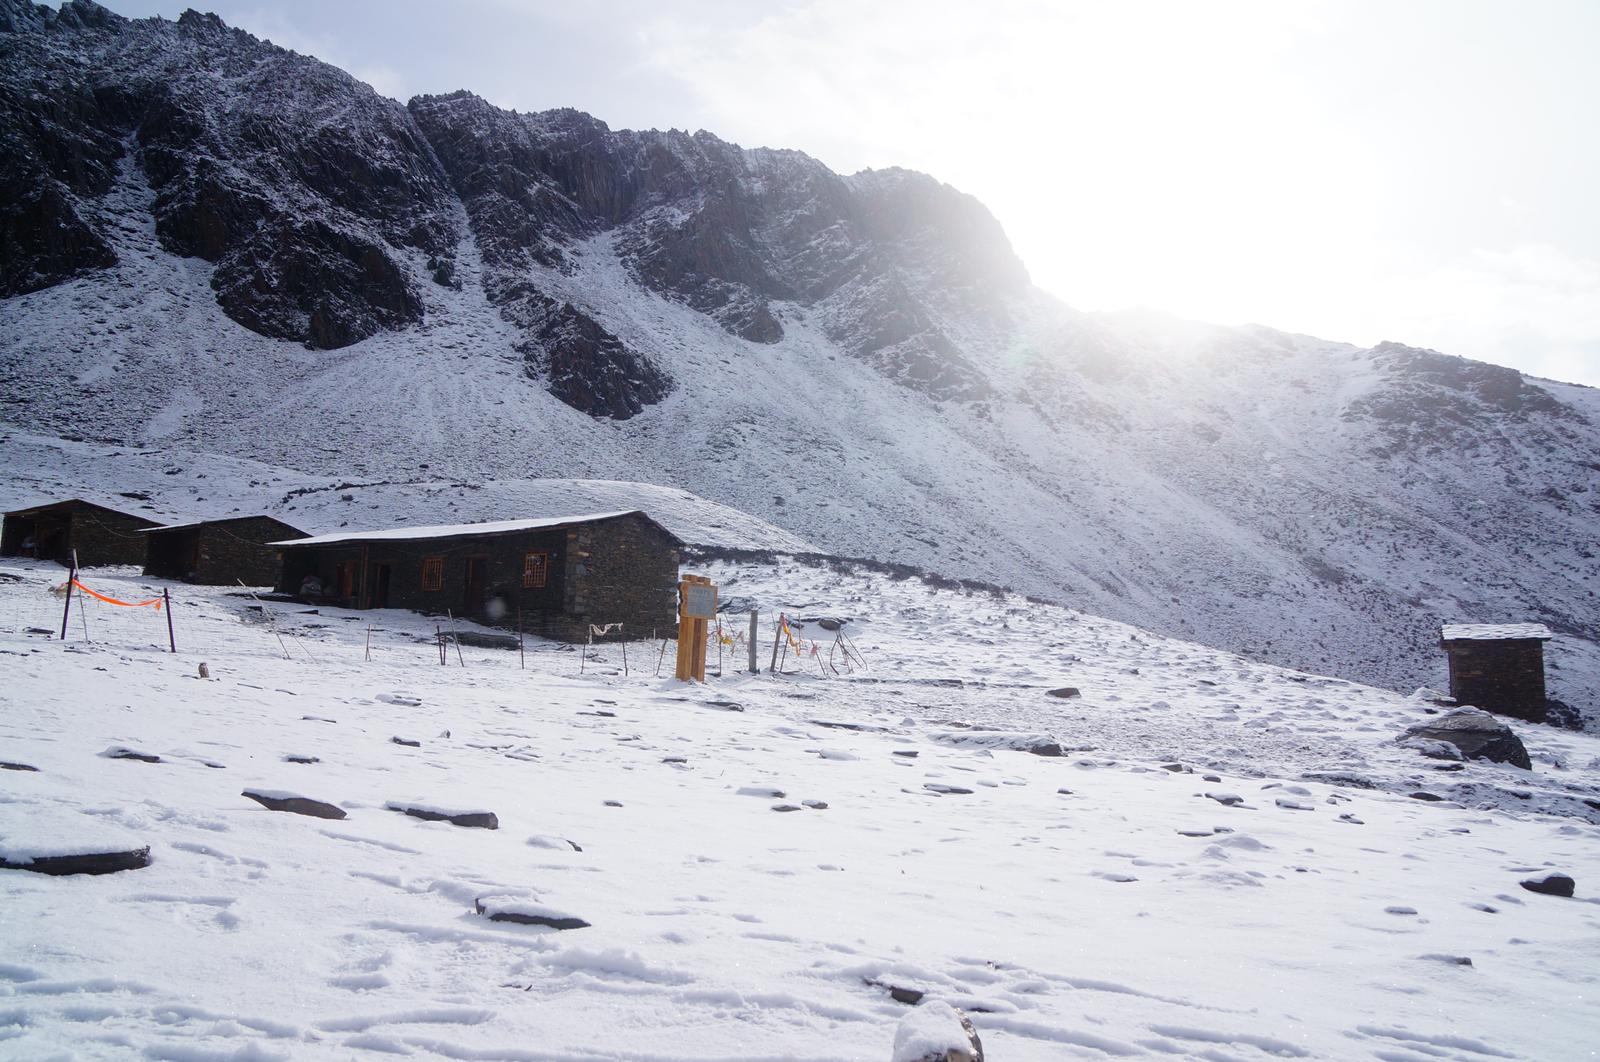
{"x": 723, "y": 230}
{"x": 1434, "y": 399}
{"x": 296, "y": 805}
{"x": 1477, "y": 734}
{"x": 301, "y": 184}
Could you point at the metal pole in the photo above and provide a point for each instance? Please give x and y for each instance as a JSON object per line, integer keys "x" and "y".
{"x": 166, "y": 602}
{"x": 72, "y": 577}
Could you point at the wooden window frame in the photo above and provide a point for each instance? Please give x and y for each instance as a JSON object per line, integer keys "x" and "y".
{"x": 433, "y": 573}
{"x": 543, "y": 572}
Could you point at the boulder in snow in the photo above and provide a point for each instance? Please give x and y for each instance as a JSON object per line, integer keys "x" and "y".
{"x": 1551, "y": 884}
{"x": 294, "y": 803}
{"x": 1066, "y": 693}
{"x": 936, "y": 1032}
{"x": 1477, "y": 734}
{"x": 1038, "y": 744}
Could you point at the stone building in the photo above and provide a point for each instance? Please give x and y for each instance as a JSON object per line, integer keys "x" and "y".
{"x": 1498, "y": 667}
{"x": 99, "y": 534}
{"x": 560, "y": 573}
{"x": 219, "y": 552}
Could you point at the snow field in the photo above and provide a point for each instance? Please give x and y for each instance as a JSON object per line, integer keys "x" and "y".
{"x": 1094, "y": 904}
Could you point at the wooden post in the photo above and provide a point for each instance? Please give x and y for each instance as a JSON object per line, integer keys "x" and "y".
{"x": 754, "y": 667}
{"x": 166, "y": 603}
{"x": 692, "y": 629}
{"x": 588, "y": 643}
{"x": 369, "y": 641}
{"x": 72, "y": 577}
{"x": 624, "y": 632}
{"x": 777, "y": 634}
{"x": 522, "y": 656}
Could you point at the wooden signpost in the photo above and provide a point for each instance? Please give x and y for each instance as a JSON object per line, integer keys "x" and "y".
{"x": 697, "y": 606}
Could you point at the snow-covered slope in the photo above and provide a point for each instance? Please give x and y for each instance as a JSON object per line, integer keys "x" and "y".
{"x": 859, "y": 360}
{"x": 175, "y": 485}
{"x": 1225, "y": 862}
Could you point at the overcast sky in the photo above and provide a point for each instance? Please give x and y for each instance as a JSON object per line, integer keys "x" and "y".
{"x": 1426, "y": 171}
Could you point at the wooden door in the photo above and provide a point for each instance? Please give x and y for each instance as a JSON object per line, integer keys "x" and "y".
{"x": 477, "y": 568}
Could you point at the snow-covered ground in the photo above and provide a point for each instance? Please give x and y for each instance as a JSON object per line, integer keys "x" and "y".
{"x": 1104, "y": 902}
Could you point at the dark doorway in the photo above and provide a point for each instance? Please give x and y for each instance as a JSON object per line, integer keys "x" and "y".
{"x": 379, "y": 584}
{"x": 476, "y": 567}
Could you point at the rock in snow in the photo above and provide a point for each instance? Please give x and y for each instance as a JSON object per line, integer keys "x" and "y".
{"x": 279, "y": 800}
{"x": 936, "y": 1032}
{"x": 483, "y": 820}
{"x": 526, "y": 911}
{"x": 1551, "y": 884}
{"x": 1475, "y": 733}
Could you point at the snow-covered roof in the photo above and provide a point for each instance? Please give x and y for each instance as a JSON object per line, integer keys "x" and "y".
{"x": 488, "y": 527}
{"x": 212, "y": 523}
{"x": 1492, "y": 632}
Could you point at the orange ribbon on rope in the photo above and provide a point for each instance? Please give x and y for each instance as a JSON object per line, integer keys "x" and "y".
{"x": 156, "y": 601}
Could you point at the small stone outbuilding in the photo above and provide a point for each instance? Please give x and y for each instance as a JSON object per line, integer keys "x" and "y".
{"x": 219, "y": 552}
{"x": 559, "y": 573}
{"x": 101, "y": 535}
{"x": 1498, "y": 667}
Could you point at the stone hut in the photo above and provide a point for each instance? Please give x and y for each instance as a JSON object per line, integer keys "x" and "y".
{"x": 101, "y": 535}
{"x": 561, "y": 573}
{"x": 1498, "y": 667}
{"x": 219, "y": 552}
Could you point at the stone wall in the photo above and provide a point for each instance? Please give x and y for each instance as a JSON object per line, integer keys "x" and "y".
{"x": 1505, "y": 677}
{"x": 621, "y": 571}
{"x": 220, "y": 552}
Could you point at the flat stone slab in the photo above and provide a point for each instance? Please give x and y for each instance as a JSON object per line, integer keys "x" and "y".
{"x": 122, "y": 752}
{"x": 4, "y": 766}
{"x": 50, "y": 839}
{"x": 483, "y": 820}
{"x": 526, "y": 911}
{"x": 86, "y": 863}
{"x": 294, "y": 803}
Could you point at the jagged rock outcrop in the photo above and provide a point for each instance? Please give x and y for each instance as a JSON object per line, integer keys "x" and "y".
{"x": 301, "y": 184}
{"x": 732, "y": 233}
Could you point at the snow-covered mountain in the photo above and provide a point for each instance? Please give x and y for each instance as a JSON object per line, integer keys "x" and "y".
{"x": 210, "y": 245}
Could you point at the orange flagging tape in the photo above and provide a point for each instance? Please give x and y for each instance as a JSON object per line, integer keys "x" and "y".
{"x": 156, "y": 601}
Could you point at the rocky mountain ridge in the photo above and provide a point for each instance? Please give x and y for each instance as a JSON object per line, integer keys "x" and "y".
{"x": 211, "y": 244}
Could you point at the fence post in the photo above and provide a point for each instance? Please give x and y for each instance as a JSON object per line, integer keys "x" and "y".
{"x": 755, "y": 668}
{"x": 166, "y": 601}
{"x": 72, "y": 577}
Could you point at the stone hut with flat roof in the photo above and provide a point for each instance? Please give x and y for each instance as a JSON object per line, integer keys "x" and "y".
{"x": 219, "y": 552}
{"x": 1498, "y": 667}
{"x": 99, "y": 534}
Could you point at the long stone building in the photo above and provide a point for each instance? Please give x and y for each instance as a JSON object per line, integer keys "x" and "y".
{"x": 559, "y": 574}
